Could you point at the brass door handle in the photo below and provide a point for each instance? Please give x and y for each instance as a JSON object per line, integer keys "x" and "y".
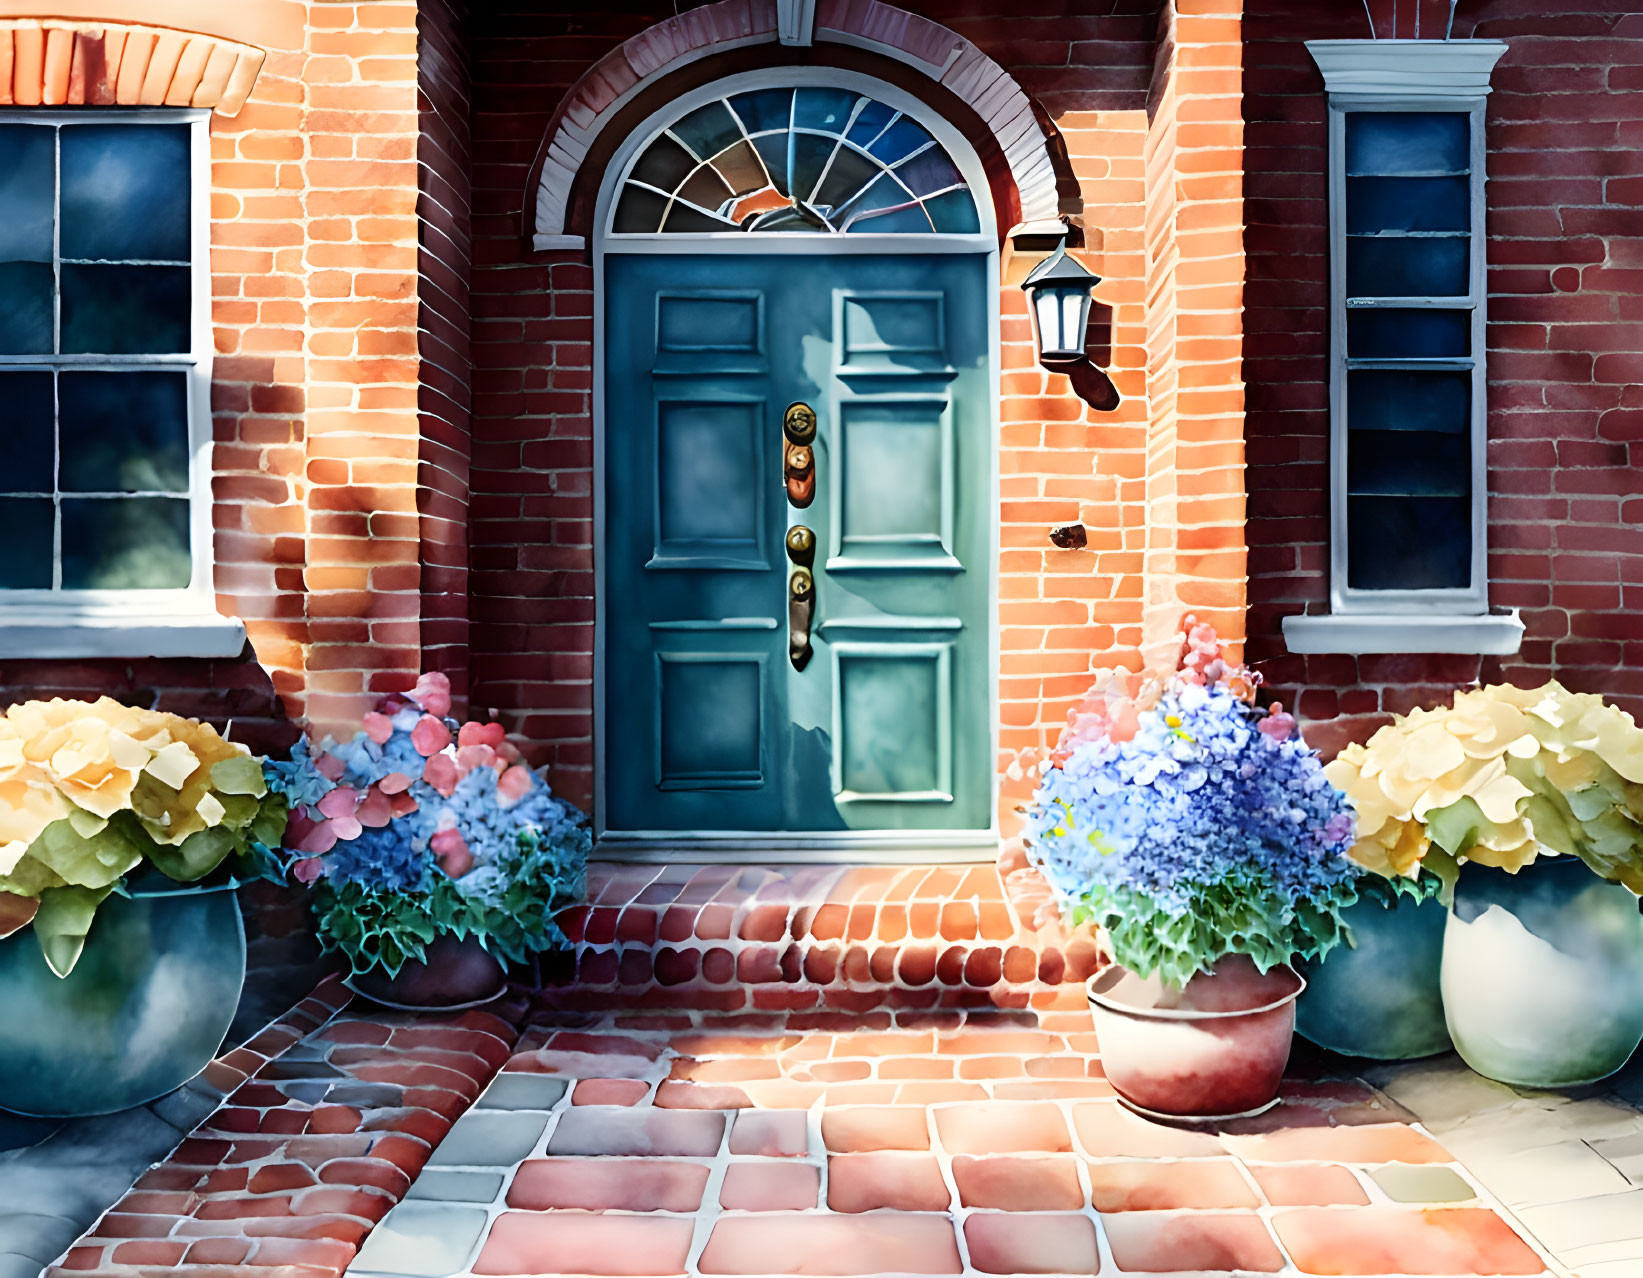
{"x": 801, "y": 545}
{"x": 801, "y": 607}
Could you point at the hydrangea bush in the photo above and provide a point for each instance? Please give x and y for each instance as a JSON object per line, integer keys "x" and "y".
{"x": 421, "y": 826}
{"x": 1189, "y": 824}
{"x": 94, "y": 795}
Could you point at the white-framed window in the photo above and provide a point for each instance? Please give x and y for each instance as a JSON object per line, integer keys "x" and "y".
{"x": 1408, "y": 387}
{"x": 105, "y": 375}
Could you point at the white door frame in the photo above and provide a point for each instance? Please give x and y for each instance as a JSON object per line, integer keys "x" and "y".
{"x": 860, "y": 846}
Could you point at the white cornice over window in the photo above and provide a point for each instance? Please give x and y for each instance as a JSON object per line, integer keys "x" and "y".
{"x": 1407, "y": 68}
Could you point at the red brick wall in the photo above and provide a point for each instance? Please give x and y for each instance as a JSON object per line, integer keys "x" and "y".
{"x": 314, "y": 396}
{"x": 445, "y": 397}
{"x": 1062, "y": 612}
{"x": 1565, "y": 352}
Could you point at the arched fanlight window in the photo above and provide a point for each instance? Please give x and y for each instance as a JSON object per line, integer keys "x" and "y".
{"x": 822, "y": 160}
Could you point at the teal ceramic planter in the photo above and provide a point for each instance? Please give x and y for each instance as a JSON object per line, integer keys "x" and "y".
{"x": 1380, "y": 997}
{"x": 1543, "y": 974}
{"x": 143, "y": 1011}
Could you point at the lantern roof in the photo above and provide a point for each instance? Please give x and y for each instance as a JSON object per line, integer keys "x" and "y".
{"x": 1060, "y": 269}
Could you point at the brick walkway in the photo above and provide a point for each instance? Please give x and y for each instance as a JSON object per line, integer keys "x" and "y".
{"x": 856, "y": 1114}
{"x": 933, "y": 1143}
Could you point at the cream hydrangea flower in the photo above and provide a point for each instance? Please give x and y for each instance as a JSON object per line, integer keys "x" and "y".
{"x": 1498, "y": 777}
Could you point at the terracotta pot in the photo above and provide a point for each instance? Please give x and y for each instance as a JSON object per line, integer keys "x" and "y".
{"x": 144, "y": 1010}
{"x": 1214, "y": 1049}
{"x": 1379, "y": 997}
{"x": 455, "y": 974}
{"x": 1543, "y": 973}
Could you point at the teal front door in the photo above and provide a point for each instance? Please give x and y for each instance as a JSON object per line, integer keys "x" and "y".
{"x": 867, "y": 706}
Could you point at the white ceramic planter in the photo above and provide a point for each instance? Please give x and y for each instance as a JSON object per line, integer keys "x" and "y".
{"x": 1543, "y": 974}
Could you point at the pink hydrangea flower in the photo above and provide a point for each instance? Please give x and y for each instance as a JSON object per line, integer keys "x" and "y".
{"x": 490, "y": 734}
{"x": 430, "y": 735}
{"x": 441, "y": 773}
{"x": 379, "y": 727}
{"x": 513, "y": 785}
{"x": 433, "y": 694}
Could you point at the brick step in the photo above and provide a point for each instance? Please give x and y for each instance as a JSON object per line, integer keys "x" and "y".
{"x": 772, "y": 938}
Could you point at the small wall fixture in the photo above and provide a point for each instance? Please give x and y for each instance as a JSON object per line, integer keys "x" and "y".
{"x": 1058, "y": 297}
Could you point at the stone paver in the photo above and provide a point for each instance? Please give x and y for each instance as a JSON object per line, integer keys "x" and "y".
{"x": 1569, "y": 1165}
{"x": 423, "y": 1239}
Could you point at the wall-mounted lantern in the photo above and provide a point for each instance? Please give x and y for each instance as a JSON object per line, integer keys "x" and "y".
{"x": 1058, "y": 296}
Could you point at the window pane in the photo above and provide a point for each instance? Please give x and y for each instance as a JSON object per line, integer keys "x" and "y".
{"x": 810, "y": 155}
{"x": 708, "y": 130}
{"x": 1408, "y": 266}
{"x": 1406, "y": 399}
{"x": 900, "y": 140}
{"x": 26, "y": 564}
{"x": 1408, "y": 333}
{"x": 1408, "y": 463}
{"x": 706, "y": 188}
{"x": 740, "y": 168}
{"x": 930, "y": 171}
{"x": 124, "y": 432}
{"x": 764, "y": 109}
{"x": 1376, "y": 204}
{"x": 26, "y": 186}
{"x": 125, "y": 543}
{"x": 825, "y": 109}
{"x": 26, "y": 449}
{"x": 1409, "y": 543}
{"x": 121, "y": 310}
{"x": 954, "y": 214}
{"x": 25, "y": 308}
{"x": 639, "y": 211}
{"x": 1408, "y": 142}
{"x": 664, "y": 165}
{"x": 125, "y": 192}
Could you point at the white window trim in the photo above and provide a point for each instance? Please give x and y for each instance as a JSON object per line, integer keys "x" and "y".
{"x": 142, "y": 623}
{"x": 1406, "y": 75}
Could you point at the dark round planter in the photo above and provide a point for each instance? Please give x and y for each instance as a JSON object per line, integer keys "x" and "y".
{"x": 455, "y": 974}
{"x": 1379, "y": 996}
{"x": 144, "y": 1010}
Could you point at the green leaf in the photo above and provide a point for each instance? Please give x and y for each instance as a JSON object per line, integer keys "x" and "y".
{"x": 241, "y": 774}
{"x": 30, "y": 877}
{"x": 197, "y": 855}
{"x": 64, "y": 918}
{"x": 268, "y": 826}
{"x": 94, "y": 862}
{"x": 1455, "y": 828}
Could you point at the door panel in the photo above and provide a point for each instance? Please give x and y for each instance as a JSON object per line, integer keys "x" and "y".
{"x": 708, "y": 727}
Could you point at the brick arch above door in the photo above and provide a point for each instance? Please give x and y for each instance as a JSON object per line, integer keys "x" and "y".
{"x": 66, "y": 62}
{"x": 942, "y": 56}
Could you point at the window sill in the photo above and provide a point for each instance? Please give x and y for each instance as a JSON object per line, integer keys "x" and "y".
{"x": 34, "y": 633}
{"x": 1356, "y": 634}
